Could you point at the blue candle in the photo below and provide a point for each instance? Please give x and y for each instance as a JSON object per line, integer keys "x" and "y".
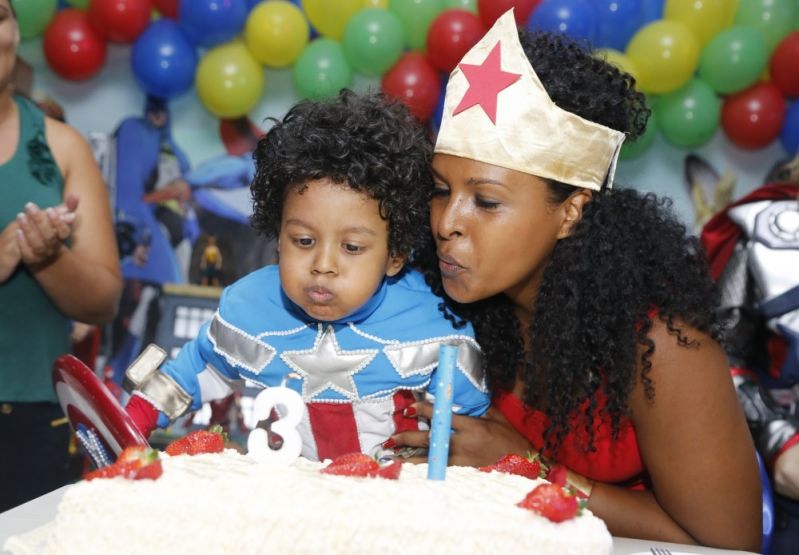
{"x": 441, "y": 424}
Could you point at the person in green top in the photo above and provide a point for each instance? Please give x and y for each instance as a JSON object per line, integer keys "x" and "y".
{"x": 58, "y": 262}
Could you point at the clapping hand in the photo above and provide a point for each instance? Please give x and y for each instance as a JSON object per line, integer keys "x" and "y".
{"x": 40, "y": 233}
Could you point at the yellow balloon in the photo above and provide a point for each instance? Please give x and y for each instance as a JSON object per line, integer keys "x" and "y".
{"x": 276, "y": 33}
{"x": 618, "y": 59}
{"x": 375, "y": 4}
{"x": 330, "y": 17}
{"x": 666, "y": 54}
{"x": 704, "y": 17}
{"x": 229, "y": 80}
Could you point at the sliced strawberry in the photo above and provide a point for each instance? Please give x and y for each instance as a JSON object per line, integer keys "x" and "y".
{"x": 552, "y": 502}
{"x": 352, "y": 464}
{"x": 133, "y": 463}
{"x": 199, "y": 441}
{"x": 516, "y": 464}
{"x": 391, "y": 471}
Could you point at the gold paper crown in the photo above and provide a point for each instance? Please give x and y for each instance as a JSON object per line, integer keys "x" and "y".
{"x": 497, "y": 111}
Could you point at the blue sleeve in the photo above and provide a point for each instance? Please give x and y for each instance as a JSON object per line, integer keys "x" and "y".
{"x": 467, "y": 399}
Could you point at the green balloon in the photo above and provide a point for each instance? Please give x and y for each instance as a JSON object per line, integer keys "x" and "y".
{"x": 734, "y": 59}
{"x": 373, "y": 41}
{"x": 636, "y": 148}
{"x": 469, "y": 5}
{"x": 689, "y": 116}
{"x": 416, "y": 17}
{"x": 80, "y": 4}
{"x": 775, "y": 18}
{"x": 33, "y": 16}
{"x": 321, "y": 71}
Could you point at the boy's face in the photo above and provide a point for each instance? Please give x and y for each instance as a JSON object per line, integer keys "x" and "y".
{"x": 333, "y": 249}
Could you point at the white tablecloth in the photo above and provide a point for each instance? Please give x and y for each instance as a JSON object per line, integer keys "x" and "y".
{"x": 42, "y": 510}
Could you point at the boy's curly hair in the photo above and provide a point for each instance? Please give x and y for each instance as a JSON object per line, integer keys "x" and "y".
{"x": 627, "y": 257}
{"x": 368, "y": 142}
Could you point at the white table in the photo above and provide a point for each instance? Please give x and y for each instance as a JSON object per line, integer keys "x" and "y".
{"x": 42, "y": 510}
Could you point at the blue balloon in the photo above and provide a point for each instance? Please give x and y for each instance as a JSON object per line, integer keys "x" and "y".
{"x": 653, "y": 11}
{"x": 435, "y": 120}
{"x": 211, "y": 22}
{"x": 576, "y": 18}
{"x": 789, "y": 136}
{"x": 163, "y": 60}
{"x": 617, "y": 21}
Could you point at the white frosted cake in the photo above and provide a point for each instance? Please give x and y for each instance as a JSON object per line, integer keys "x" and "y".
{"x": 229, "y": 503}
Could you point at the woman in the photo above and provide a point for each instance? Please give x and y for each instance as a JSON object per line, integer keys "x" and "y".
{"x": 58, "y": 262}
{"x": 593, "y": 307}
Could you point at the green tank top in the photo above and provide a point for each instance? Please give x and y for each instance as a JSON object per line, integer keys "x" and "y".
{"x": 33, "y": 332}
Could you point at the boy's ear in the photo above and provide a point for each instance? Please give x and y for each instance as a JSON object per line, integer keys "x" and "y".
{"x": 395, "y": 264}
{"x": 573, "y": 211}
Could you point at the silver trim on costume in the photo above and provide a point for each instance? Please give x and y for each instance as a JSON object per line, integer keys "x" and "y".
{"x": 421, "y": 357}
{"x": 145, "y": 364}
{"x": 238, "y": 347}
{"x": 166, "y": 395}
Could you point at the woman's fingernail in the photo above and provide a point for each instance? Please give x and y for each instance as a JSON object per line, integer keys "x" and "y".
{"x": 409, "y": 411}
{"x": 30, "y": 207}
{"x": 21, "y": 217}
{"x": 389, "y": 443}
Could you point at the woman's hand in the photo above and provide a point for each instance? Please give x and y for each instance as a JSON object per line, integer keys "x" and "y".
{"x": 41, "y": 233}
{"x": 474, "y": 441}
{"x": 9, "y": 251}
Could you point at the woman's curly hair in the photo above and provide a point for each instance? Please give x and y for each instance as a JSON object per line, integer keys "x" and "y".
{"x": 627, "y": 261}
{"x": 368, "y": 142}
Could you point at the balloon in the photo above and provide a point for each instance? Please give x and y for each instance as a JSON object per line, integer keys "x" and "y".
{"x": 617, "y": 21}
{"x": 776, "y": 18}
{"x": 211, "y": 22}
{"x": 689, "y": 116}
{"x": 733, "y": 59}
{"x": 229, "y": 80}
{"x": 414, "y": 81}
{"x": 375, "y": 4}
{"x": 450, "y": 37}
{"x": 72, "y": 48}
{"x": 789, "y": 136}
{"x": 636, "y": 147}
{"x": 490, "y": 10}
{"x": 753, "y": 118}
{"x": 373, "y": 41}
{"x": 33, "y": 16}
{"x": 321, "y": 71}
{"x": 416, "y": 17}
{"x": 276, "y": 33}
{"x": 666, "y": 54}
{"x": 331, "y": 17}
{"x": 618, "y": 59}
{"x": 163, "y": 60}
{"x": 653, "y": 11}
{"x": 784, "y": 67}
{"x": 469, "y": 5}
{"x": 119, "y": 20}
{"x": 704, "y": 18}
{"x": 167, "y": 8}
{"x": 576, "y": 18}
{"x": 80, "y": 4}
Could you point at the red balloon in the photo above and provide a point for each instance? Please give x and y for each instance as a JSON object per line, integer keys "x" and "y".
{"x": 754, "y": 117}
{"x": 451, "y": 35}
{"x": 784, "y": 66}
{"x": 72, "y": 48}
{"x": 120, "y": 20}
{"x": 167, "y": 8}
{"x": 490, "y": 10}
{"x": 415, "y": 82}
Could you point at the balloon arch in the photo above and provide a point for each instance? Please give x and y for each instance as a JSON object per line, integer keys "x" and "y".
{"x": 703, "y": 63}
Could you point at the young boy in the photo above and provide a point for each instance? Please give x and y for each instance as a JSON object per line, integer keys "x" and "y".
{"x": 344, "y": 187}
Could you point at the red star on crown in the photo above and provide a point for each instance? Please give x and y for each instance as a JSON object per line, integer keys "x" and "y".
{"x": 486, "y": 81}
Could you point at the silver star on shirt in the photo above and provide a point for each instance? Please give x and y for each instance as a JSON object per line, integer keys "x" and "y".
{"x": 327, "y": 366}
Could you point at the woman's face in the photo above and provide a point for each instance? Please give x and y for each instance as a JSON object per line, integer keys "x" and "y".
{"x": 495, "y": 229}
{"x": 9, "y": 41}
